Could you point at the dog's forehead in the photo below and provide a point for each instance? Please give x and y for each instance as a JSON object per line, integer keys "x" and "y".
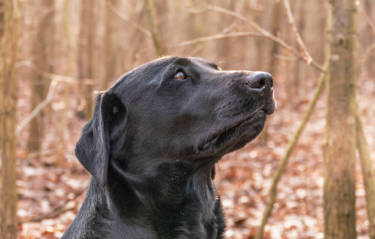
{"x": 203, "y": 62}
{"x": 190, "y": 61}
{"x": 187, "y": 61}
{"x": 148, "y": 71}
{"x": 152, "y": 68}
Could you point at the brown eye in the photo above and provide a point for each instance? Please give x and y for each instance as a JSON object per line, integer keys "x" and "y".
{"x": 180, "y": 75}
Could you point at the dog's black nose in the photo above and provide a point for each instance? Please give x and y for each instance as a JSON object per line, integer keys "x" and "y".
{"x": 259, "y": 81}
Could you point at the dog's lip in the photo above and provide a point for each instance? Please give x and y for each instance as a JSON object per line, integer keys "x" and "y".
{"x": 211, "y": 140}
{"x": 270, "y": 104}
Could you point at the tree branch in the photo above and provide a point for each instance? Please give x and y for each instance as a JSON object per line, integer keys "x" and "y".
{"x": 367, "y": 53}
{"x": 126, "y": 19}
{"x": 367, "y": 171}
{"x": 39, "y": 107}
{"x": 57, "y": 211}
{"x": 218, "y": 37}
{"x": 281, "y": 168}
{"x": 306, "y": 55}
{"x": 266, "y": 34}
{"x": 368, "y": 19}
{"x": 51, "y": 91}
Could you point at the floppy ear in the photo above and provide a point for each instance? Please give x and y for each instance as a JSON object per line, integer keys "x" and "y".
{"x": 107, "y": 124}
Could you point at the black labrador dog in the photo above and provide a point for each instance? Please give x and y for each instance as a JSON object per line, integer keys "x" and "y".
{"x": 152, "y": 144}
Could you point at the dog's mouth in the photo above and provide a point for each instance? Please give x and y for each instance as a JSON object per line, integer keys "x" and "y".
{"x": 236, "y": 134}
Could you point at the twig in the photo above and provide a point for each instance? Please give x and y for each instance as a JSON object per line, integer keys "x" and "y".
{"x": 368, "y": 19}
{"x": 286, "y": 57}
{"x": 57, "y": 211}
{"x": 39, "y": 107}
{"x": 51, "y": 90}
{"x": 367, "y": 53}
{"x": 306, "y": 117}
{"x": 367, "y": 171}
{"x": 51, "y": 76}
{"x": 126, "y": 19}
{"x": 219, "y": 36}
{"x": 306, "y": 54}
{"x": 266, "y": 34}
{"x": 197, "y": 47}
{"x": 42, "y": 154}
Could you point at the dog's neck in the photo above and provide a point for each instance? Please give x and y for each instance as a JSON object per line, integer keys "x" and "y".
{"x": 170, "y": 198}
{"x": 176, "y": 203}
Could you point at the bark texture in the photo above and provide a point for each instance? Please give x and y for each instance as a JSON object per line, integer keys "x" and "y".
{"x": 156, "y": 38}
{"x": 41, "y": 53}
{"x": 109, "y": 46}
{"x": 272, "y": 63}
{"x": 339, "y": 158}
{"x": 86, "y": 61}
{"x": 8, "y": 104}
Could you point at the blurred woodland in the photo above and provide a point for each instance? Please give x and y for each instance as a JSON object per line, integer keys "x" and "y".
{"x": 317, "y": 151}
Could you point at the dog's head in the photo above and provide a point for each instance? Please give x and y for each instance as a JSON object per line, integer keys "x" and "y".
{"x": 174, "y": 108}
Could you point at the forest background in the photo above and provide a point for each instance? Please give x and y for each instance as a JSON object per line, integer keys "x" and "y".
{"x": 56, "y": 54}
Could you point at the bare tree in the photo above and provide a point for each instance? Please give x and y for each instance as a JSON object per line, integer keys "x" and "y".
{"x": 109, "y": 47}
{"x": 86, "y": 61}
{"x": 41, "y": 55}
{"x": 295, "y": 83}
{"x": 274, "y": 50}
{"x": 156, "y": 38}
{"x": 8, "y": 109}
{"x": 339, "y": 157}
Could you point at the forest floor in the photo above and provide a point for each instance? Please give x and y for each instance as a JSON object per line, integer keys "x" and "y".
{"x": 51, "y": 186}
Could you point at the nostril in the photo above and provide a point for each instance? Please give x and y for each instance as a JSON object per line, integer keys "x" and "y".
{"x": 257, "y": 84}
{"x": 259, "y": 80}
{"x": 262, "y": 82}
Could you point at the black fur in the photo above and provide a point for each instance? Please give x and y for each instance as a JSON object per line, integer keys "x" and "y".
{"x": 152, "y": 144}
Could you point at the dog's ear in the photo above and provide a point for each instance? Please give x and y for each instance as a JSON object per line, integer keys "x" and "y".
{"x": 107, "y": 125}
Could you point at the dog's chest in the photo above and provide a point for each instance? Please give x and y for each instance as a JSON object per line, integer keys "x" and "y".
{"x": 187, "y": 223}
{"x": 191, "y": 222}
{"x": 186, "y": 230}
{"x": 120, "y": 230}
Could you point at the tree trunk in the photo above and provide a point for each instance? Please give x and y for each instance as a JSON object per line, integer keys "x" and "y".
{"x": 275, "y": 28}
{"x": 299, "y": 64}
{"x": 274, "y": 50}
{"x": 156, "y": 38}
{"x": 195, "y": 28}
{"x": 339, "y": 158}
{"x": 41, "y": 54}
{"x": 262, "y": 18}
{"x": 225, "y": 46}
{"x": 8, "y": 108}
{"x": 109, "y": 50}
{"x": 69, "y": 66}
{"x": 86, "y": 57}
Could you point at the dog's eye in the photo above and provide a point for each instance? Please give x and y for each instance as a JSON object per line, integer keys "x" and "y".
{"x": 180, "y": 75}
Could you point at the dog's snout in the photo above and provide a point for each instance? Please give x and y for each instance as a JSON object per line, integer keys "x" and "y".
{"x": 259, "y": 81}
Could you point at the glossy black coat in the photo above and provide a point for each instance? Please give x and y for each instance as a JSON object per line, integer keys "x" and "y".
{"x": 152, "y": 144}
